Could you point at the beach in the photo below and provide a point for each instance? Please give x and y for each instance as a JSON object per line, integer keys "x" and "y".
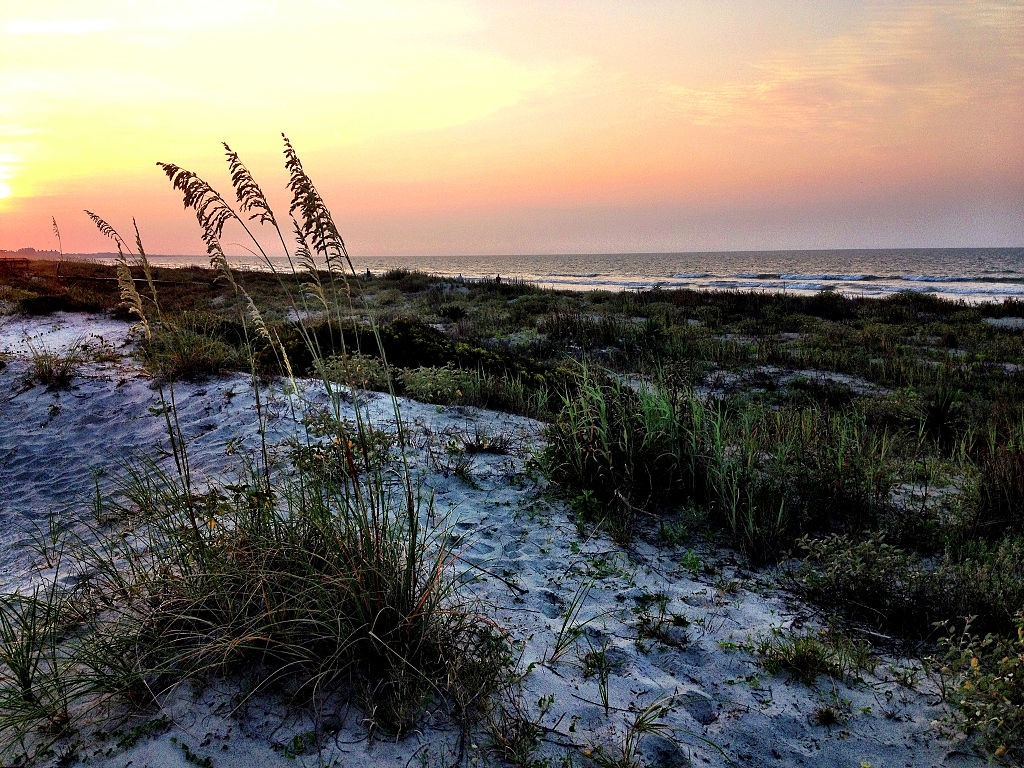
{"x": 511, "y": 385}
{"x": 669, "y": 622}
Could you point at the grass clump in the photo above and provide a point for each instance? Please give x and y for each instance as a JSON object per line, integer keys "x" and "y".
{"x": 51, "y": 369}
{"x": 809, "y": 654}
{"x": 620, "y": 451}
{"x": 304, "y": 590}
{"x": 184, "y": 350}
{"x": 766, "y": 475}
{"x": 308, "y": 592}
{"x": 1000, "y": 486}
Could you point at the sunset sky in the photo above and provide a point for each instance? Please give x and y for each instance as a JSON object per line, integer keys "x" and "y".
{"x": 525, "y": 127}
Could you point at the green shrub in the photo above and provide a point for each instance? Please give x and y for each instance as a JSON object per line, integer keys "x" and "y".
{"x": 897, "y": 591}
{"x": 987, "y": 582}
{"x": 359, "y": 371}
{"x": 433, "y": 385}
{"x": 986, "y": 687}
{"x": 60, "y": 301}
{"x": 767, "y": 475}
{"x": 870, "y": 580}
{"x": 340, "y": 450}
{"x": 406, "y": 342}
{"x": 451, "y": 312}
{"x": 830, "y": 304}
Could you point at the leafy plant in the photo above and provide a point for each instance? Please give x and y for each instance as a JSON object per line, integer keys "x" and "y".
{"x": 597, "y": 662}
{"x": 649, "y": 721}
{"x": 433, "y": 385}
{"x": 987, "y": 688}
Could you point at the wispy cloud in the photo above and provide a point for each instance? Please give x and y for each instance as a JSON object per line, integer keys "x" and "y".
{"x": 911, "y": 62}
{"x": 50, "y": 27}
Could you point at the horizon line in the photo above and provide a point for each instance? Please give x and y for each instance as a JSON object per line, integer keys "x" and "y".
{"x": 498, "y": 254}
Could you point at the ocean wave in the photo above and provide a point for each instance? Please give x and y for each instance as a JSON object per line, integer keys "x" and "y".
{"x": 842, "y": 278}
{"x": 583, "y": 276}
{"x": 804, "y": 286}
{"x": 694, "y": 276}
{"x": 989, "y": 276}
{"x": 1004, "y": 291}
{"x": 591, "y": 282}
{"x": 941, "y": 278}
{"x": 986, "y": 277}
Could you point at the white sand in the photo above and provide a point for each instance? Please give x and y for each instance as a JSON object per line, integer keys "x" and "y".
{"x": 722, "y": 695}
{"x": 1007, "y": 323}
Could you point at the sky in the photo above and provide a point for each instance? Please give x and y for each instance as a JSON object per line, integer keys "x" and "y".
{"x": 561, "y": 126}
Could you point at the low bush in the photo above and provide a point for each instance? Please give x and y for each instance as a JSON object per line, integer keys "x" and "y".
{"x": 772, "y": 475}
{"x": 433, "y": 385}
{"x": 985, "y": 684}
{"x": 521, "y": 393}
{"x": 870, "y": 580}
{"x": 901, "y": 592}
{"x": 61, "y": 301}
{"x": 340, "y": 451}
{"x": 452, "y": 312}
{"x": 359, "y": 371}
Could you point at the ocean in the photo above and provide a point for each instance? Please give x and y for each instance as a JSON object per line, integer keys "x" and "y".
{"x": 971, "y": 274}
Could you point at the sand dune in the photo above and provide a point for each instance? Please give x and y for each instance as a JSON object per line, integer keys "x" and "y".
{"x": 724, "y": 706}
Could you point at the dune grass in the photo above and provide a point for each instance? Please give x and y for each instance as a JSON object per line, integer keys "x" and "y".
{"x": 625, "y": 454}
{"x": 52, "y": 369}
{"x": 314, "y": 579}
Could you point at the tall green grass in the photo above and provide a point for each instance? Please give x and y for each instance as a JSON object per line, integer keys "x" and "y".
{"x": 624, "y": 453}
{"x": 621, "y": 452}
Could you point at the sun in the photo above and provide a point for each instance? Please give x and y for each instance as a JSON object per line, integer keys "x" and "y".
{"x": 5, "y": 190}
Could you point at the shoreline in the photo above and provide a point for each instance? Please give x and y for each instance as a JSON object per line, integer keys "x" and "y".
{"x": 984, "y": 285}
